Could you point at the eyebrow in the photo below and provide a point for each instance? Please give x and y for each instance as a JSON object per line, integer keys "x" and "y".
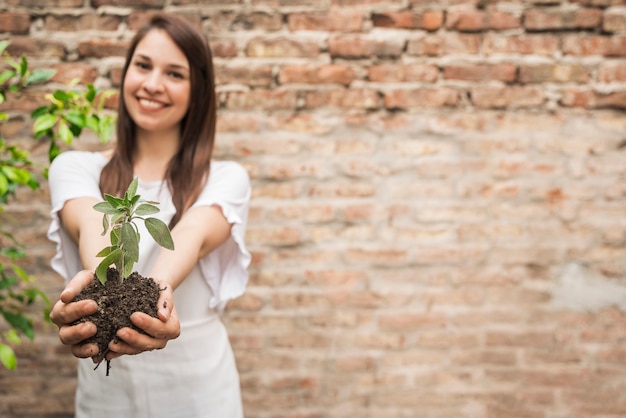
{"x": 177, "y": 66}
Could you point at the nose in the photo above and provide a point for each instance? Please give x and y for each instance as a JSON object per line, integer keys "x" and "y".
{"x": 153, "y": 83}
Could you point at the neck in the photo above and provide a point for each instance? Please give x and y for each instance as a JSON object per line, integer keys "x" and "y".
{"x": 154, "y": 152}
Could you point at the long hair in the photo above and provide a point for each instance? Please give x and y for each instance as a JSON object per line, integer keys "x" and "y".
{"x": 188, "y": 170}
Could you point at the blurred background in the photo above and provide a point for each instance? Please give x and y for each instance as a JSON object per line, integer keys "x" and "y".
{"x": 438, "y": 219}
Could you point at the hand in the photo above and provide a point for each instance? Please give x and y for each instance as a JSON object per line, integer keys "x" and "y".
{"x": 159, "y": 330}
{"x": 65, "y": 312}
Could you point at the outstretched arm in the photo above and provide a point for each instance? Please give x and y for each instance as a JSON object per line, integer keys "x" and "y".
{"x": 200, "y": 230}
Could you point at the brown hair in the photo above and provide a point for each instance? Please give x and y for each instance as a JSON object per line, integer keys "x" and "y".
{"x": 189, "y": 167}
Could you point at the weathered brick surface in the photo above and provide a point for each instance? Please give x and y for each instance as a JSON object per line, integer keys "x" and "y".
{"x": 439, "y": 197}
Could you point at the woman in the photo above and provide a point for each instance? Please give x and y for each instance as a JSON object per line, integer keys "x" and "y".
{"x": 165, "y": 136}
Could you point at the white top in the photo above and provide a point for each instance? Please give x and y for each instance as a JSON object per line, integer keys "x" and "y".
{"x": 195, "y": 375}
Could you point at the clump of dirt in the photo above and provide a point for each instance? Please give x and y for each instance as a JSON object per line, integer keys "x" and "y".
{"x": 117, "y": 300}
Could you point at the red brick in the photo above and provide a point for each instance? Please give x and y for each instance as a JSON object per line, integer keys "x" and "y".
{"x": 14, "y": 23}
{"x": 553, "y": 73}
{"x": 281, "y": 47}
{"x": 66, "y": 72}
{"x": 477, "y": 21}
{"x": 67, "y": 23}
{"x": 102, "y": 48}
{"x": 507, "y": 97}
{"x": 45, "y": 3}
{"x": 247, "y": 75}
{"x": 556, "y": 19}
{"x": 325, "y": 74}
{"x": 590, "y": 99}
{"x": 528, "y": 44}
{"x": 612, "y": 72}
{"x": 444, "y": 44}
{"x": 427, "y": 20}
{"x": 397, "y": 73}
{"x": 354, "y": 46}
{"x": 138, "y": 19}
{"x": 481, "y": 72}
{"x": 129, "y": 3}
{"x": 614, "y": 21}
{"x": 223, "y": 48}
{"x": 262, "y": 99}
{"x": 422, "y": 98}
{"x": 233, "y": 21}
{"x": 337, "y": 19}
{"x": 609, "y": 46}
{"x": 344, "y": 98}
{"x": 39, "y": 48}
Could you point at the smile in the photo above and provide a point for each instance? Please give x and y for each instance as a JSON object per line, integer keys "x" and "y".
{"x": 151, "y": 104}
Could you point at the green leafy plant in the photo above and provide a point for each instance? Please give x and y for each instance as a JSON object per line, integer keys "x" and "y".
{"x": 67, "y": 115}
{"x": 119, "y": 219}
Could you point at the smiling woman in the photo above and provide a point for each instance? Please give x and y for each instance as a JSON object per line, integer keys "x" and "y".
{"x": 165, "y": 137}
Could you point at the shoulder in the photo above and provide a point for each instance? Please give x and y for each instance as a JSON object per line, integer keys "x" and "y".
{"x": 228, "y": 173}
{"x": 73, "y": 159}
{"x": 228, "y": 169}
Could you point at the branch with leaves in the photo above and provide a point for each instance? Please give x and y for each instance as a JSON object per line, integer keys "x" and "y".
{"x": 120, "y": 216}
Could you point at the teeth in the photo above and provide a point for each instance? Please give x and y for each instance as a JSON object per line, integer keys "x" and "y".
{"x": 150, "y": 103}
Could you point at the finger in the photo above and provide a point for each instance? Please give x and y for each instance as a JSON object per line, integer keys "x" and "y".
{"x": 156, "y": 327}
{"x": 71, "y": 335}
{"x": 85, "y": 351}
{"x": 67, "y": 313}
{"x": 131, "y": 341}
{"x": 78, "y": 283}
{"x": 166, "y": 301}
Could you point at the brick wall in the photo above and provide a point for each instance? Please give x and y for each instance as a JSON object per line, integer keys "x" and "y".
{"x": 438, "y": 221}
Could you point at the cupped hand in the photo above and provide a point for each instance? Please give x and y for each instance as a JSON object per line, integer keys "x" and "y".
{"x": 158, "y": 331}
{"x": 65, "y": 313}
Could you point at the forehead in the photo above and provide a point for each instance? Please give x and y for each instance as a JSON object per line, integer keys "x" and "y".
{"x": 157, "y": 45}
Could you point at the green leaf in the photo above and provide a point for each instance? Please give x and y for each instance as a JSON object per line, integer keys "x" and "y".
{"x": 23, "y": 66}
{"x": 65, "y": 133}
{"x": 146, "y": 209}
{"x": 20, "y": 322}
{"x": 130, "y": 242}
{"x": 40, "y": 75}
{"x": 4, "y": 185}
{"x": 7, "y": 357}
{"x": 132, "y": 188}
{"x": 105, "y": 252}
{"x": 128, "y": 266}
{"x": 4, "y": 45}
{"x": 39, "y": 111}
{"x": 101, "y": 270}
{"x": 91, "y": 93}
{"x": 44, "y": 122}
{"x": 62, "y": 96}
{"x": 6, "y": 75}
{"x": 76, "y": 118}
{"x": 116, "y": 202}
{"x": 115, "y": 237}
{"x": 160, "y": 232}
{"x": 106, "y": 208}
{"x": 12, "y": 336}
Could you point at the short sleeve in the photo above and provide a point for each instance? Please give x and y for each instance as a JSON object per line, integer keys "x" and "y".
{"x": 226, "y": 267}
{"x": 71, "y": 175}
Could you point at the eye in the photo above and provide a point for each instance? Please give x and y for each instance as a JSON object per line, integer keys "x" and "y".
{"x": 175, "y": 74}
{"x": 142, "y": 65}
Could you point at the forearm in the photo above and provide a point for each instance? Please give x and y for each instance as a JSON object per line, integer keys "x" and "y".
{"x": 200, "y": 231}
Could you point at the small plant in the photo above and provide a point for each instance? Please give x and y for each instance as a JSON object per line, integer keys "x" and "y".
{"x": 119, "y": 217}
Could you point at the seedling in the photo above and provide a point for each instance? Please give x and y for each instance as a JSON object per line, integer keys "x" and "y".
{"x": 120, "y": 216}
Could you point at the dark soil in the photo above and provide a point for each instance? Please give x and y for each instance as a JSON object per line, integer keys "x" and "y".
{"x": 117, "y": 300}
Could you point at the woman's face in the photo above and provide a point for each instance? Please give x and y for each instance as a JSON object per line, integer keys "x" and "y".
{"x": 157, "y": 87}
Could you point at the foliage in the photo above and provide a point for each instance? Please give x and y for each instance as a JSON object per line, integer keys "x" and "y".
{"x": 119, "y": 217}
{"x": 68, "y": 113}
